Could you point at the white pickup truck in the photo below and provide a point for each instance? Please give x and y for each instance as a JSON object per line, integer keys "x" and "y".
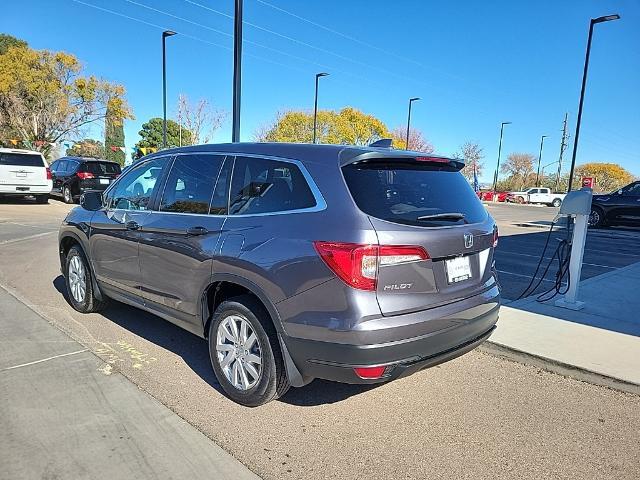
{"x": 537, "y": 195}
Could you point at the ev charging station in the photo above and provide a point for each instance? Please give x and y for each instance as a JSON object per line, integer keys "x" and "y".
{"x": 576, "y": 205}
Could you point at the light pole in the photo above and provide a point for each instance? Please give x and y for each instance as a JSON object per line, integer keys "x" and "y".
{"x": 411, "y": 100}
{"x": 165, "y": 34}
{"x": 539, "y": 159}
{"x": 495, "y": 176}
{"x": 606, "y": 18}
{"x": 237, "y": 71}
{"x": 315, "y": 104}
{"x": 547, "y": 165}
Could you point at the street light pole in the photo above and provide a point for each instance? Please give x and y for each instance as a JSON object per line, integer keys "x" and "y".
{"x": 411, "y": 100}
{"x": 539, "y": 159}
{"x": 495, "y": 176}
{"x": 315, "y": 104}
{"x": 237, "y": 71}
{"x": 165, "y": 34}
{"x": 606, "y": 18}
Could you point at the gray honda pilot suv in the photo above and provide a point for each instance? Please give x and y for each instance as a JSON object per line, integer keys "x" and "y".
{"x": 293, "y": 261}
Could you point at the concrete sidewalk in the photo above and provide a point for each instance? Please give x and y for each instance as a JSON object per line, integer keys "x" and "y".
{"x": 600, "y": 343}
{"x": 64, "y": 415}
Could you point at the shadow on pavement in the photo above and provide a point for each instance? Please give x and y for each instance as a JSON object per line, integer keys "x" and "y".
{"x": 194, "y": 351}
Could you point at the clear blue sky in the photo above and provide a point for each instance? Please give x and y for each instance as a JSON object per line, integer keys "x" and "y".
{"x": 475, "y": 64}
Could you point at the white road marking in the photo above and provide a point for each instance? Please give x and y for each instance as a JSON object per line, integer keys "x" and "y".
{"x": 547, "y": 258}
{"x": 523, "y": 276}
{"x": 29, "y": 237}
{"x": 44, "y": 360}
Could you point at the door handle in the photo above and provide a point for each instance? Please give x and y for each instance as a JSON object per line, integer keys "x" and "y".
{"x": 197, "y": 231}
{"x": 131, "y": 225}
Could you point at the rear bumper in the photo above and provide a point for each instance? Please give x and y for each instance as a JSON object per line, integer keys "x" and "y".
{"x": 336, "y": 361}
{"x": 25, "y": 189}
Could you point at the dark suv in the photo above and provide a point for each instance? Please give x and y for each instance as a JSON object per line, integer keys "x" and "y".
{"x": 295, "y": 262}
{"x": 72, "y": 176}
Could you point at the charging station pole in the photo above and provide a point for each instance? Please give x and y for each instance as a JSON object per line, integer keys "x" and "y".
{"x": 578, "y": 205}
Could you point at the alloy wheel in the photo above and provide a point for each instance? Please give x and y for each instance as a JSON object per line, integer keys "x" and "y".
{"x": 594, "y": 218}
{"x": 77, "y": 279}
{"x": 238, "y": 352}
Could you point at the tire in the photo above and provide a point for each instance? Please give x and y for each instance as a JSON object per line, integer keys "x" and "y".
{"x": 596, "y": 218}
{"x": 42, "y": 199}
{"x": 234, "y": 362}
{"x": 66, "y": 195}
{"x": 556, "y": 202}
{"x": 77, "y": 276}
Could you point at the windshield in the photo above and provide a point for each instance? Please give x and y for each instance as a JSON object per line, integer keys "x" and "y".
{"x": 413, "y": 194}
{"x": 21, "y": 159}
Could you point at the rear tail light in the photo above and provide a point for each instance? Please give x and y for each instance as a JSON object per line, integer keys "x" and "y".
{"x": 433, "y": 159}
{"x": 49, "y": 177}
{"x": 84, "y": 175}
{"x": 357, "y": 264}
{"x": 370, "y": 372}
{"x": 495, "y": 237}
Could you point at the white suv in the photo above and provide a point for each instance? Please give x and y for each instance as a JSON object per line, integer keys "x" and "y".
{"x": 24, "y": 172}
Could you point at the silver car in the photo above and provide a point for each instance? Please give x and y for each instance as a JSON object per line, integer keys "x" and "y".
{"x": 293, "y": 261}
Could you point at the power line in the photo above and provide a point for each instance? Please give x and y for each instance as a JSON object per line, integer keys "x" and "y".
{"x": 308, "y": 45}
{"x": 349, "y": 37}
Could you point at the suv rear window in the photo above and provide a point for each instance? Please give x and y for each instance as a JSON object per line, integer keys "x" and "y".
{"x": 21, "y": 159}
{"x": 413, "y": 194}
{"x": 101, "y": 168}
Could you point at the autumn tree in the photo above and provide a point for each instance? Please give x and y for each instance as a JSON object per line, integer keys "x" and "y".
{"x": 7, "y": 41}
{"x": 519, "y": 167}
{"x": 151, "y": 135}
{"x": 608, "y": 176}
{"x": 87, "y": 148}
{"x": 201, "y": 118}
{"x": 349, "y": 126}
{"x": 417, "y": 142}
{"x": 45, "y": 97}
{"x": 472, "y": 155}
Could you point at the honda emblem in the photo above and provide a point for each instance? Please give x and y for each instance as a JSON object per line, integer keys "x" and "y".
{"x": 468, "y": 240}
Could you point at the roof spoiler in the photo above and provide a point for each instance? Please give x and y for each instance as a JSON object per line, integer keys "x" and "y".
{"x": 349, "y": 156}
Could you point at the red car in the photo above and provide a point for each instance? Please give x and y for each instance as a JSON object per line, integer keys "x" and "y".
{"x": 489, "y": 196}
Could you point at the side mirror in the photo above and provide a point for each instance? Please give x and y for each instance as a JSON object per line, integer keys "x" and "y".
{"x": 91, "y": 200}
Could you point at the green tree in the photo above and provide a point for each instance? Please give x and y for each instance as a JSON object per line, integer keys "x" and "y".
{"x": 44, "y": 97}
{"x": 151, "y": 136}
{"x": 348, "y": 126}
{"x": 608, "y": 176}
{"x": 7, "y": 41}
{"x": 113, "y": 137}
{"x": 87, "y": 148}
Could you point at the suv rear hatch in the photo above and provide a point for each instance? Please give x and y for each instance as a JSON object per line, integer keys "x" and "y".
{"x": 96, "y": 175}
{"x": 424, "y": 202}
{"x": 22, "y": 169}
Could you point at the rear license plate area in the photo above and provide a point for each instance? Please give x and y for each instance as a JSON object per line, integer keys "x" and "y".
{"x": 458, "y": 269}
{"x": 22, "y": 189}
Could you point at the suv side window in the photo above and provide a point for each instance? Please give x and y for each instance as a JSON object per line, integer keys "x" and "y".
{"x": 190, "y": 183}
{"x": 632, "y": 189}
{"x": 62, "y": 166}
{"x": 221, "y": 193}
{"x": 266, "y": 186}
{"x": 136, "y": 188}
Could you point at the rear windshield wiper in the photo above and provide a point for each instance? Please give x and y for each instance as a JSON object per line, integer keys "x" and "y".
{"x": 455, "y": 216}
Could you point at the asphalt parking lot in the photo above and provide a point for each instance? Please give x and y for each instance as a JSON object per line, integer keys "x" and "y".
{"x": 478, "y": 416}
{"x": 521, "y": 246}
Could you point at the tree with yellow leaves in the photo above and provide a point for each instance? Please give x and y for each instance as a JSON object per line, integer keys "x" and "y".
{"x": 44, "y": 97}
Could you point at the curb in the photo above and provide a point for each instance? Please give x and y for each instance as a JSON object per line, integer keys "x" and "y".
{"x": 559, "y": 368}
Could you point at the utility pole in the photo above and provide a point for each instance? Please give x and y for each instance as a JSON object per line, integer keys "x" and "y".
{"x": 563, "y": 147}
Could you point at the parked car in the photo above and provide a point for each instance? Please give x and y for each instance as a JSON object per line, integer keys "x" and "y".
{"x": 24, "y": 173}
{"x": 537, "y": 195}
{"x": 294, "y": 262}
{"x": 621, "y": 207}
{"x": 490, "y": 196}
{"x": 72, "y": 176}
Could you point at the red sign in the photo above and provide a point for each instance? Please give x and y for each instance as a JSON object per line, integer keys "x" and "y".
{"x": 588, "y": 182}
